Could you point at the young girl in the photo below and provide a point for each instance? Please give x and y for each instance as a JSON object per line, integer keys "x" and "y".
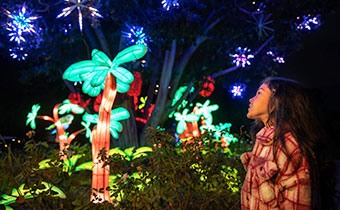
{"x": 281, "y": 169}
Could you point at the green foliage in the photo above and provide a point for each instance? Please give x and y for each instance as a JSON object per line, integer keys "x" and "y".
{"x": 190, "y": 176}
{"x": 170, "y": 175}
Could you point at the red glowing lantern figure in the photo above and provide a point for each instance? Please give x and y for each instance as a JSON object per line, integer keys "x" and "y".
{"x": 75, "y": 98}
{"x": 136, "y": 85}
{"x": 208, "y": 87}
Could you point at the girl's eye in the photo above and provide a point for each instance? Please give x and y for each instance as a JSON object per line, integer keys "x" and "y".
{"x": 258, "y": 93}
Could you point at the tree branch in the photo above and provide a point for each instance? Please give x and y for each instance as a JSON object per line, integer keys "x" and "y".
{"x": 102, "y": 40}
{"x": 246, "y": 11}
{"x": 228, "y": 70}
{"x": 163, "y": 85}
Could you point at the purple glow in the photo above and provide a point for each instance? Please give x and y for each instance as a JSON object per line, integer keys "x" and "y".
{"x": 240, "y": 57}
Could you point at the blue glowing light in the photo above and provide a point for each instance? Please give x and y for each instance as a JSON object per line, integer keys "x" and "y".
{"x": 136, "y": 35}
{"x": 276, "y": 58}
{"x": 18, "y": 53}
{"x": 308, "y": 22}
{"x": 19, "y": 23}
{"x": 237, "y": 90}
{"x": 262, "y": 24}
{"x": 241, "y": 58}
{"x": 167, "y": 4}
{"x": 80, "y": 5}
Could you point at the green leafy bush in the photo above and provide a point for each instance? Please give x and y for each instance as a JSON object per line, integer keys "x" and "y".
{"x": 174, "y": 175}
{"x": 199, "y": 175}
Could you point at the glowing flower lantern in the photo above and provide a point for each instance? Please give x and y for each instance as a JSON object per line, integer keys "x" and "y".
{"x": 97, "y": 102}
{"x": 136, "y": 85}
{"x": 97, "y": 74}
{"x": 75, "y": 98}
{"x": 208, "y": 87}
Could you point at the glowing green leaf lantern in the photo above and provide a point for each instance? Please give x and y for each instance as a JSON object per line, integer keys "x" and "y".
{"x": 205, "y": 110}
{"x": 93, "y": 72}
{"x": 68, "y": 107}
{"x": 32, "y": 115}
{"x": 117, "y": 114}
{"x": 184, "y": 117}
{"x": 49, "y": 188}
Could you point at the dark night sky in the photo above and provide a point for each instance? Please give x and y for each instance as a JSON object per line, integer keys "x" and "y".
{"x": 316, "y": 66}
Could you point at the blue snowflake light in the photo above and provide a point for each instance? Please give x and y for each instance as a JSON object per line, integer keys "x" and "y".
{"x": 18, "y": 53}
{"x": 276, "y": 58}
{"x": 262, "y": 24}
{"x": 237, "y": 90}
{"x": 80, "y": 5}
{"x": 167, "y": 4}
{"x": 241, "y": 58}
{"x": 308, "y": 22}
{"x": 136, "y": 35}
{"x": 20, "y": 23}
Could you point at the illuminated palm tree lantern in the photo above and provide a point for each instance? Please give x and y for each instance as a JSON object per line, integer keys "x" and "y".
{"x": 185, "y": 120}
{"x": 205, "y": 112}
{"x": 97, "y": 74}
{"x": 61, "y": 136}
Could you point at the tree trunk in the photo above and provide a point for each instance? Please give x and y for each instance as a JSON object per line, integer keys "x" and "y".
{"x": 101, "y": 140}
{"x": 162, "y": 96}
{"x": 128, "y": 137}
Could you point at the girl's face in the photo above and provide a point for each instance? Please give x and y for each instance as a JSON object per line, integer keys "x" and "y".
{"x": 258, "y": 107}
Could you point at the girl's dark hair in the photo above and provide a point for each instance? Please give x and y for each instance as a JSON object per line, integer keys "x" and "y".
{"x": 292, "y": 110}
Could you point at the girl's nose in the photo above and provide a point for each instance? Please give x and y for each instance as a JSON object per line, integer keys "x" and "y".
{"x": 251, "y": 100}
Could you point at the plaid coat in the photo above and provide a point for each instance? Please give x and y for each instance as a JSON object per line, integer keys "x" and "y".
{"x": 275, "y": 184}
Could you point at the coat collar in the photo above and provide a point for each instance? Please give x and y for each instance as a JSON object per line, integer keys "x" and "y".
{"x": 265, "y": 136}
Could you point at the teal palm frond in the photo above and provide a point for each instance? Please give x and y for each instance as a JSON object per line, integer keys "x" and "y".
{"x": 93, "y": 72}
{"x": 68, "y": 107}
{"x": 32, "y": 115}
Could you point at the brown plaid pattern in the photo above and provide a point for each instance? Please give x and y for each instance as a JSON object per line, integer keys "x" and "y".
{"x": 275, "y": 184}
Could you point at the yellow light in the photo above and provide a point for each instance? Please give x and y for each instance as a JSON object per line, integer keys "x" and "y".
{"x": 5, "y": 145}
{"x": 253, "y": 2}
{"x": 19, "y": 141}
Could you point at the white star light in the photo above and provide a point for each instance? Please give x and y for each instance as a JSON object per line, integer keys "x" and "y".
{"x": 80, "y": 5}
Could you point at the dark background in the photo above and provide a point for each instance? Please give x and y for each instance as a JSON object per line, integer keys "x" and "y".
{"x": 316, "y": 66}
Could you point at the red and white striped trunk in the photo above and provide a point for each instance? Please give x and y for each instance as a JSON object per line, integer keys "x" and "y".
{"x": 101, "y": 140}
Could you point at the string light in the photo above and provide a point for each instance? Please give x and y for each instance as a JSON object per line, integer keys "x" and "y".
{"x": 308, "y": 22}
{"x": 276, "y": 58}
